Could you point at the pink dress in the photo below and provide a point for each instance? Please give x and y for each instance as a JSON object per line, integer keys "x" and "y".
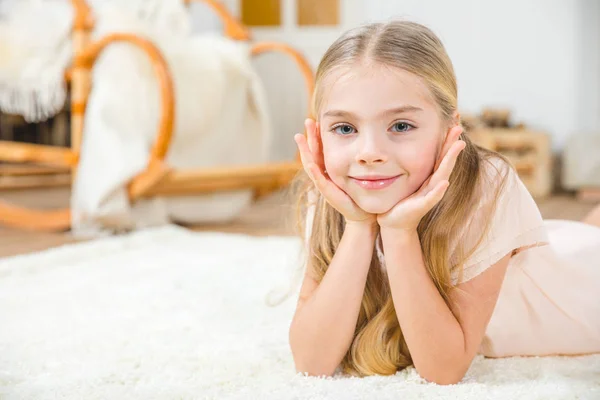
{"x": 549, "y": 302}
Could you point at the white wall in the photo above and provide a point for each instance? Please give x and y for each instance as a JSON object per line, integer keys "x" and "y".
{"x": 588, "y": 100}
{"x": 537, "y": 57}
{"x": 540, "y": 58}
{"x": 282, "y": 79}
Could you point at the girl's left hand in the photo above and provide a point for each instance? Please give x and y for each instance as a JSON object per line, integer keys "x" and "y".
{"x": 407, "y": 214}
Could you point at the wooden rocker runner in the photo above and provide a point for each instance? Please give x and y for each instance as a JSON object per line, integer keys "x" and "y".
{"x": 157, "y": 179}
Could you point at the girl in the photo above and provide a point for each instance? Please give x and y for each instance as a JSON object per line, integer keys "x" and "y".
{"x": 423, "y": 248}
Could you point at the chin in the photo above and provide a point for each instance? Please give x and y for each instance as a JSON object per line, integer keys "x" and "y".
{"x": 375, "y": 205}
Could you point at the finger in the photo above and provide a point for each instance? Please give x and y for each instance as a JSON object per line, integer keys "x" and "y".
{"x": 313, "y": 170}
{"x": 305, "y": 155}
{"x": 424, "y": 186}
{"x": 449, "y": 160}
{"x": 436, "y": 195}
{"x": 332, "y": 193}
{"x": 319, "y": 148}
{"x": 447, "y": 165}
{"x": 309, "y": 124}
{"x": 438, "y": 175}
{"x": 315, "y": 143}
{"x": 451, "y": 138}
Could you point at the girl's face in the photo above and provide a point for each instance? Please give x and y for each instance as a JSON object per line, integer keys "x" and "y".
{"x": 381, "y": 134}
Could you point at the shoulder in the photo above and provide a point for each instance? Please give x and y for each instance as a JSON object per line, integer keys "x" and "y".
{"x": 496, "y": 176}
{"x": 500, "y": 192}
{"x": 505, "y": 220}
{"x": 504, "y": 194}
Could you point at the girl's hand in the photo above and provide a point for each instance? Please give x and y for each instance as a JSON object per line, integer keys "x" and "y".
{"x": 311, "y": 154}
{"x": 407, "y": 214}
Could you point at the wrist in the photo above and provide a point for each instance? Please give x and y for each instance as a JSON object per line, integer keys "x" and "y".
{"x": 387, "y": 223}
{"x": 398, "y": 234}
{"x": 366, "y": 226}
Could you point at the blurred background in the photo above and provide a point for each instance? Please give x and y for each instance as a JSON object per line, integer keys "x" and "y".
{"x": 529, "y": 87}
{"x": 538, "y": 58}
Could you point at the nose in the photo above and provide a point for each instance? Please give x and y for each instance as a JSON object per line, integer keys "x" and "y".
{"x": 371, "y": 149}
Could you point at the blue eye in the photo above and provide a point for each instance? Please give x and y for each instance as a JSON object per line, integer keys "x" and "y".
{"x": 343, "y": 129}
{"x": 401, "y": 127}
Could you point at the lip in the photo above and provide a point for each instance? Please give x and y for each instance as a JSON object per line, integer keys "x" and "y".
{"x": 374, "y": 182}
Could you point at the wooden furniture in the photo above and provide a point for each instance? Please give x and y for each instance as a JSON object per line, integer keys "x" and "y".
{"x": 158, "y": 178}
{"x": 53, "y": 131}
{"x": 26, "y": 176}
{"x": 589, "y": 195}
{"x": 529, "y": 151}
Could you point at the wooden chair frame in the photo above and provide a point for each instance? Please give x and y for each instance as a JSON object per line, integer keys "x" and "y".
{"x": 157, "y": 179}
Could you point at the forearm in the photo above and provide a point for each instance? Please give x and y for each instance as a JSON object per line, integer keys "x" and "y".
{"x": 323, "y": 328}
{"x": 432, "y": 332}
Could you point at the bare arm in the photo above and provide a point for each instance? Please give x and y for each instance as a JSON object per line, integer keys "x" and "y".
{"x": 325, "y": 320}
{"x": 442, "y": 341}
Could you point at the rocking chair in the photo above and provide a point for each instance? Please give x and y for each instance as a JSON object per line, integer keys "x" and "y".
{"x": 158, "y": 179}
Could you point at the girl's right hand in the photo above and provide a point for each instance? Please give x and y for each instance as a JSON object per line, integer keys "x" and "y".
{"x": 311, "y": 154}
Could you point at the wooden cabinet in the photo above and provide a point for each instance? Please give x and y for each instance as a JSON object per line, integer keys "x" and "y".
{"x": 530, "y": 152}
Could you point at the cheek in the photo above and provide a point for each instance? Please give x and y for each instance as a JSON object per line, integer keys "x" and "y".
{"x": 336, "y": 168}
{"x": 419, "y": 164}
{"x": 337, "y": 162}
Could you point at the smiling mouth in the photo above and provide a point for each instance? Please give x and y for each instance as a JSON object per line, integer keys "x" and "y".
{"x": 374, "y": 182}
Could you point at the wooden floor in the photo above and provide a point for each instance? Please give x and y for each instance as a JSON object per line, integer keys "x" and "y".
{"x": 272, "y": 215}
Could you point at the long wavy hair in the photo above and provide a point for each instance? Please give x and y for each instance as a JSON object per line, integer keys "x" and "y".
{"x": 378, "y": 346}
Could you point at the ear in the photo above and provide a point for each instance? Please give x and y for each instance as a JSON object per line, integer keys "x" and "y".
{"x": 455, "y": 119}
{"x": 454, "y": 122}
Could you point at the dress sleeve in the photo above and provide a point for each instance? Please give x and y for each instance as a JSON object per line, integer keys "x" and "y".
{"x": 515, "y": 222}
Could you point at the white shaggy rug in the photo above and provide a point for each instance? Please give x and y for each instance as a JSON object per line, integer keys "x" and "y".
{"x": 170, "y": 314}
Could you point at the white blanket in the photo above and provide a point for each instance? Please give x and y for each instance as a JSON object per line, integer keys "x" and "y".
{"x": 35, "y": 50}
{"x": 166, "y": 313}
{"x": 221, "y": 119}
{"x": 36, "y": 47}
{"x": 221, "y": 113}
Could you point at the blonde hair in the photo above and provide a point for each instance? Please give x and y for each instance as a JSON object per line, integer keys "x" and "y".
{"x": 378, "y": 346}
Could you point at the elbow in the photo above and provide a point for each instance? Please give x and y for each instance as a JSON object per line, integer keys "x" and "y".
{"x": 443, "y": 379}
{"x": 307, "y": 360}
{"x": 312, "y": 365}
{"x": 314, "y": 370}
{"x": 440, "y": 375}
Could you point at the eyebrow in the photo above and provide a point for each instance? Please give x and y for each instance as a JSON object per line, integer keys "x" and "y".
{"x": 391, "y": 111}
